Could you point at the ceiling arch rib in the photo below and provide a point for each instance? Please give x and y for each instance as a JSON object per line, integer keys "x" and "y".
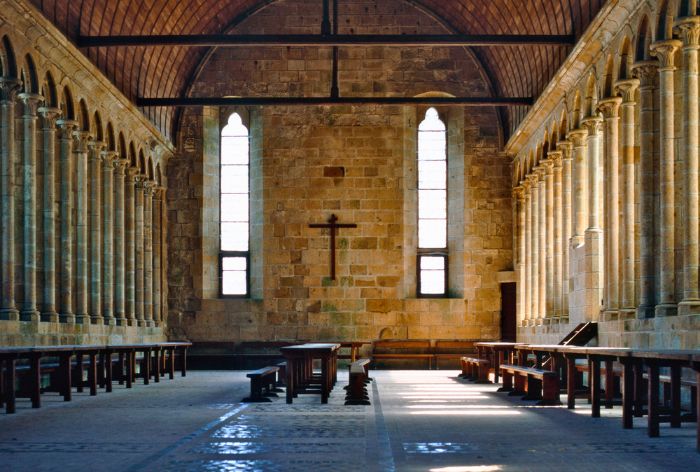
{"x": 517, "y": 71}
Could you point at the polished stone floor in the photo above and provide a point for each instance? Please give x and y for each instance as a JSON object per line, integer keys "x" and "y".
{"x": 418, "y": 421}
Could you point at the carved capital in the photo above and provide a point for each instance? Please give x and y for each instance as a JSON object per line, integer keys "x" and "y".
{"x": 577, "y": 137}
{"x": 80, "y": 141}
{"x": 540, "y": 171}
{"x": 547, "y": 165}
{"x": 688, "y": 28}
{"x": 519, "y": 193}
{"x": 66, "y": 127}
{"x": 148, "y": 188}
{"x": 665, "y": 51}
{"x": 646, "y": 72}
{"x": 132, "y": 174}
{"x": 120, "y": 166}
{"x": 627, "y": 88}
{"x": 533, "y": 178}
{"x": 610, "y": 107}
{"x": 31, "y": 103}
{"x": 593, "y": 124}
{"x": 9, "y": 88}
{"x": 556, "y": 158}
{"x": 49, "y": 115}
{"x": 565, "y": 146}
{"x": 107, "y": 158}
{"x": 159, "y": 193}
{"x": 96, "y": 147}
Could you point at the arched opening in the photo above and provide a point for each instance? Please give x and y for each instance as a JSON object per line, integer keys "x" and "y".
{"x": 48, "y": 91}
{"x": 30, "y": 81}
{"x": 83, "y": 116}
{"x": 7, "y": 59}
{"x": 625, "y": 60}
{"x": 608, "y": 78}
{"x": 643, "y": 40}
{"x": 67, "y": 106}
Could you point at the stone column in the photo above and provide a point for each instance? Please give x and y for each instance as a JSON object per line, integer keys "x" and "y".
{"x": 65, "y": 310}
{"x": 48, "y": 261}
{"x": 610, "y": 107}
{"x": 80, "y": 149}
{"x": 556, "y": 158}
{"x": 566, "y": 148}
{"x": 8, "y": 94}
{"x": 549, "y": 239}
{"x": 579, "y": 185}
{"x": 664, "y": 51}
{"x": 138, "y": 237}
{"x": 594, "y": 234}
{"x": 108, "y": 238}
{"x": 148, "y": 252}
{"x": 534, "y": 247}
{"x": 689, "y": 29}
{"x": 527, "y": 260}
{"x": 119, "y": 249}
{"x": 593, "y": 125}
{"x": 628, "y": 89}
{"x": 95, "y": 149}
{"x": 542, "y": 242}
{"x": 130, "y": 214}
{"x": 157, "y": 248}
{"x": 29, "y": 309}
{"x": 646, "y": 72}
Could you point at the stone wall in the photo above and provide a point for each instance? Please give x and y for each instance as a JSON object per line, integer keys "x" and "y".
{"x": 357, "y": 162}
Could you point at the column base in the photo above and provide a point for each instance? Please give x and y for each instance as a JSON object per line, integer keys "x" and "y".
{"x": 645, "y": 311}
{"x": 141, "y": 323}
{"x": 150, "y": 323}
{"x": 66, "y": 318}
{"x": 576, "y": 241}
{"x": 10, "y": 314}
{"x": 121, "y": 321}
{"x": 628, "y": 314}
{"x": 29, "y": 315}
{"x": 564, "y": 319}
{"x": 110, "y": 321}
{"x": 609, "y": 315}
{"x": 49, "y": 316}
{"x": 689, "y": 307}
{"x": 130, "y": 322}
{"x": 82, "y": 319}
{"x": 666, "y": 309}
{"x": 96, "y": 320}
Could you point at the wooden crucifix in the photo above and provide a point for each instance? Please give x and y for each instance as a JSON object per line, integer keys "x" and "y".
{"x": 333, "y": 225}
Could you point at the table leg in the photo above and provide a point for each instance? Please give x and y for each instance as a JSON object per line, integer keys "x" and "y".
{"x": 146, "y": 366}
{"x": 653, "y": 402}
{"x": 609, "y": 384}
{"x": 108, "y": 371}
{"x": 627, "y": 395}
{"x": 36, "y": 380}
{"x": 675, "y": 396}
{"x": 594, "y": 384}
{"x": 10, "y": 397}
{"x": 156, "y": 374}
{"x": 570, "y": 383}
{"x": 697, "y": 405}
{"x": 66, "y": 374}
{"x": 498, "y": 356}
{"x": 2, "y": 382}
{"x": 638, "y": 389}
{"x": 130, "y": 368}
{"x": 92, "y": 374}
{"x": 183, "y": 361}
{"x": 79, "y": 372}
{"x": 171, "y": 360}
{"x": 121, "y": 368}
{"x": 325, "y": 381}
{"x": 290, "y": 379}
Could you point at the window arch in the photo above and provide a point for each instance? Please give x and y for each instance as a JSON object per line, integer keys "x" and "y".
{"x": 234, "y": 203}
{"x": 432, "y": 260}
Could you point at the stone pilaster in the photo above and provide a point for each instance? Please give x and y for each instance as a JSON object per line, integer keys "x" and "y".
{"x": 130, "y": 246}
{"x": 548, "y": 212}
{"x": 65, "y": 310}
{"x": 534, "y": 246}
{"x": 157, "y": 254}
{"x": 29, "y": 308}
{"x": 108, "y": 238}
{"x": 610, "y": 108}
{"x": 95, "y": 157}
{"x": 542, "y": 243}
{"x": 148, "y": 252}
{"x": 689, "y": 30}
{"x": 556, "y": 158}
{"x": 8, "y": 93}
{"x": 139, "y": 258}
{"x": 527, "y": 284}
{"x": 119, "y": 248}
{"x": 664, "y": 52}
{"x": 566, "y": 148}
{"x": 579, "y": 185}
{"x": 48, "y": 260}
{"x": 628, "y": 89}
{"x": 80, "y": 150}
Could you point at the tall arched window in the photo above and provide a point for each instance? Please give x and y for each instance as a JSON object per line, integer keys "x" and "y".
{"x": 235, "y": 209}
{"x": 432, "y": 206}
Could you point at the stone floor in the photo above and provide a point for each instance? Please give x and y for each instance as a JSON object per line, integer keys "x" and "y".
{"x": 418, "y": 421}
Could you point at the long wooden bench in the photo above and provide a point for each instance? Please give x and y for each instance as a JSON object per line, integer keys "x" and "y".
{"x": 356, "y": 389}
{"x": 533, "y": 384}
{"x": 448, "y": 352}
{"x": 262, "y": 383}
{"x": 402, "y": 349}
{"x": 475, "y": 369}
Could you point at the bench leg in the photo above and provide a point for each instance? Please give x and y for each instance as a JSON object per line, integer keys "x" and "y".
{"x": 518, "y": 385}
{"x": 256, "y": 395}
{"x": 550, "y": 391}
{"x": 483, "y": 372}
{"x": 507, "y": 382}
{"x": 534, "y": 388}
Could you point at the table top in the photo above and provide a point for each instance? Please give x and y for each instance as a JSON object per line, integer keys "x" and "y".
{"x": 619, "y": 352}
{"x": 311, "y": 347}
{"x": 497, "y": 344}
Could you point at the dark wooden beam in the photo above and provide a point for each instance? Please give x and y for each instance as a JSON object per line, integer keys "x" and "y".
{"x": 290, "y": 101}
{"x": 232, "y": 40}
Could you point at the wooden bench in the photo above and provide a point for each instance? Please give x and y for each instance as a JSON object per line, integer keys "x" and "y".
{"x": 476, "y": 369}
{"x": 534, "y": 384}
{"x": 448, "y": 352}
{"x": 356, "y": 389}
{"x": 402, "y": 349}
{"x": 261, "y": 380}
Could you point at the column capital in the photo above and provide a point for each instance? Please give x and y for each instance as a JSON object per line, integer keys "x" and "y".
{"x": 532, "y": 178}
{"x": 30, "y": 102}
{"x": 628, "y": 88}
{"x": 108, "y": 157}
{"x": 66, "y": 127}
{"x": 610, "y": 107}
{"x": 556, "y": 158}
{"x": 593, "y": 124}
{"x": 577, "y": 136}
{"x": 518, "y": 193}
{"x": 548, "y": 165}
{"x": 132, "y": 173}
{"x": 97, "y": 147}
{"x": 9, "y": 87}
{"x": 540, "y": 171}
{"x": 159, "y": 192}
{"x": 120, "y": 165}
{"x": 49, "y": 115}
{"x": 646, "y": 72}
{"x": 664, "y": 51}
{"x": 80, "y": 140}
{"x": 565, "y": 146}
{"x": 688, "y": 28}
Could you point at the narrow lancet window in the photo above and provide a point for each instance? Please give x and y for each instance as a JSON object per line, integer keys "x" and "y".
{"x": 432, "y": 206}
{"x": 235, "y": 209}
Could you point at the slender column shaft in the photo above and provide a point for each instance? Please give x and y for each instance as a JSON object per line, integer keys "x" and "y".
{"x": 139, "y": 253}
{"x": 556, "y": 158}
{"x": 689, "y": 29}
{"x": 542, "y": 243}
{"x": 66, "y": 314}
{"x": 628, "y": 89}
{"x": 527, "y": 310}
{"x": 29, "y": 311}
{"x": 95, "y": 161}
{"x": 108, "y": 238}
{"x": 549, "y": 239}
{"x": 664, "y": 51}
{"x": 593, "y": 124}
{"x": 148, "y": 253}
{"x": 534, "y": 245}
{"x": 519, "y": 257}
{"x": 157, "y": 229}
{"x": 119, "y": 248}
{"x": 8, "y": 93}
{"x": 646, "y": 72}
{"x": 80, "y": 141}
{"x": 566, "y": 149}
{"x": 610, "y": 108}
{"x": 48, "y": 260}
{"x": 130, "y": 221}
{"x": 579, "y": 185}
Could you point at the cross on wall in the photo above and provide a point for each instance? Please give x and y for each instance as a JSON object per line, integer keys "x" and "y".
{"x": 333, "y": 225}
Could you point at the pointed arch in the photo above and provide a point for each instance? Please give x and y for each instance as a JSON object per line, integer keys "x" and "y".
{"x": 98, "y": 130}
{"x": 668, "y": 10}
{"x": 111, "y": 142}
{"x": 67, "y": 105}
{"x": 83, "y": 115}
{"x": 159, "y": 175}
{"x": 7, "y": 59}
{"x": 141, "y": 161}
{"x": 30, "y": 80}
{"x": 623, "y": 71}
{"x": 49, "y": 92}
{"x": 576, "y": 111}
{"x": 590, "y": 96}
{"x": 563, "y": 128}
{"x": 643, "y": 40}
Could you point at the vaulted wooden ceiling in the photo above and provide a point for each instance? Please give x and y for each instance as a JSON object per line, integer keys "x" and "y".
{"x": 515, "y": 71}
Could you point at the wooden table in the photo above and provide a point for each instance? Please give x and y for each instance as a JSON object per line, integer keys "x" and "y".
{"x": 497, "y": 353}
{"x": 300, "y": 374}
